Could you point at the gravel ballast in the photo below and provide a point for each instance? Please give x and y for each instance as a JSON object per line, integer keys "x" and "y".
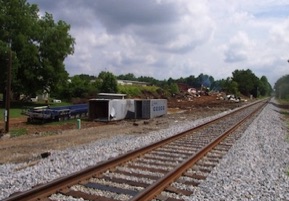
{"x": 256, "y": 168}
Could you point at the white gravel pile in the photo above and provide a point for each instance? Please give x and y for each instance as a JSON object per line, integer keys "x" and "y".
{"x": 255, "y": 168}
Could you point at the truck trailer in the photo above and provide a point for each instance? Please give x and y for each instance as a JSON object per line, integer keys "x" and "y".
{"x": 47, "y": 114}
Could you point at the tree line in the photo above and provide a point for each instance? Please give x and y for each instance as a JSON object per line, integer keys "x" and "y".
{"x": 39, "y": 46}
{"x": 282, "y": 88}
{"x": 242, "y": 82}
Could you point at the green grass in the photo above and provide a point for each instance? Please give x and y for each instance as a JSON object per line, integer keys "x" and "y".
{"x": 286, "y": 113}
{"x": 134, "y": 90}
{"x": 13, "y": 113}
{"x": 17, "y": 107}
{"x": 283, "y": 101}
{"x": 70, "y": 121}
{"x": 18, "y": 132}
{"x": 129, "y": 90}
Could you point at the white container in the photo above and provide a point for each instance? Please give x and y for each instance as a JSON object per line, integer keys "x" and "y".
{"x": 150, "y": 108}
{"x": 111, "y": 110}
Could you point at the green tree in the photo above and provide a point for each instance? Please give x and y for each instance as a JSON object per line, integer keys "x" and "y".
{"x": 79, "y": 87}
{"x": 128, "y": 76}
{"x": 282, "y": 87}
{"x": 197, "y": 82}
{"x": 173, "y": 88}
{"x": 88, "y": 78}
{"x": 39, "y": 47}
{"x": 204, "y": 80}
{"x": 191, "y": 81}
{"x": 108, "y": 82}
{"x": 150, "y": 80}
{"x": 170, "y": 81}
{"x": 218, "y": 85}
{"x": 264, "y": 87}
{"x": 247, "y": 82}
{"x": 228, "y": 86}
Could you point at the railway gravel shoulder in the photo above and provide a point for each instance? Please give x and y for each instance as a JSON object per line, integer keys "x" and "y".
{"x": 255, "y": 168}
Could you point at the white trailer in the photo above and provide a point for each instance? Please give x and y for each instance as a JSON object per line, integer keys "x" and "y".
{"x": 118, "y": 109}
{"x": 111, "y": 110}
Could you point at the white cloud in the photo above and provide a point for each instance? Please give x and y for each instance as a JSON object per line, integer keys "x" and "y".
{"x": 176, "y": 38}
{"x": 238, "y": 48}
{"x": 279, "y": 34}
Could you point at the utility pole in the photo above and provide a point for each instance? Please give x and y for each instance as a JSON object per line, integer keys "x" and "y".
{"x": 8, "y": 91}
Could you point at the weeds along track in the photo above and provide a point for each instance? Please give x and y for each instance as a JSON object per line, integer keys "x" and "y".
{"x": 166, "y": 170}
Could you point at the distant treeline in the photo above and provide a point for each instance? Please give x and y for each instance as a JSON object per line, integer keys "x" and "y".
{"x": 242, "y": 82}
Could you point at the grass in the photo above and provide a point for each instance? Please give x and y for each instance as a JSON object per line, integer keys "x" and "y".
{"x": 283, "y": 101}
{"x": 134, "y": 90}
{"x": 13, "y": 113}
{"x": 70, "y": 121}
{"x": 18, "y": 132}
{"x": 284, "y": 112}
{"x": 17, "y": 107}
{"x": 130, "y": 90}
{"x": 286, "y": 115}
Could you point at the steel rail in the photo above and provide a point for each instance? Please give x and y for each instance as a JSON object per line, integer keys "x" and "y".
{"x": 45, "y": 190}
{"x": 157, "y": 187}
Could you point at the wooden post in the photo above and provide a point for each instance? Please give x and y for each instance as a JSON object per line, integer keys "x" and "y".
{"x": 8, "y": 92}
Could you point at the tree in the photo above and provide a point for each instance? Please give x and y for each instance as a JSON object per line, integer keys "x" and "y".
{"x": 39, "y": 47}
{"x": 204, "y": 80}
{"x": 191, "y": 81}
{"x": 170, "y": 81}
{"x": 231, "y": 87}
{"x": 108, "y": 82}
{"x": 173, "y": 88}
{"x": 264, "y": 87}
{"x": 247, "y": 82}
{"x": 79, "y": 87}
{"x": 218, "y": 85}
{"x": 128, "y": 76}
{"x": 89, "y": 78}
{"x": 150, "y": 80}
{"x": 197, "y": 82}
{"x": 282, "y": 87}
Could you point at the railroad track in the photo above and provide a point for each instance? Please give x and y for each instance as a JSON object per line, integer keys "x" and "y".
{"x": 167, "y": 170}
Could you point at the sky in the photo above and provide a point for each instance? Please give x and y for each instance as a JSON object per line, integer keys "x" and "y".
{"x": 175, "y": 38}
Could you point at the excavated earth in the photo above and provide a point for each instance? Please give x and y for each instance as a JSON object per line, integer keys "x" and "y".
{"x": 46, "y": 137}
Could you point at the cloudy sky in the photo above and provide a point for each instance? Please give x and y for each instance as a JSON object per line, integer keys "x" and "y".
{"x": 176, "y": 38}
